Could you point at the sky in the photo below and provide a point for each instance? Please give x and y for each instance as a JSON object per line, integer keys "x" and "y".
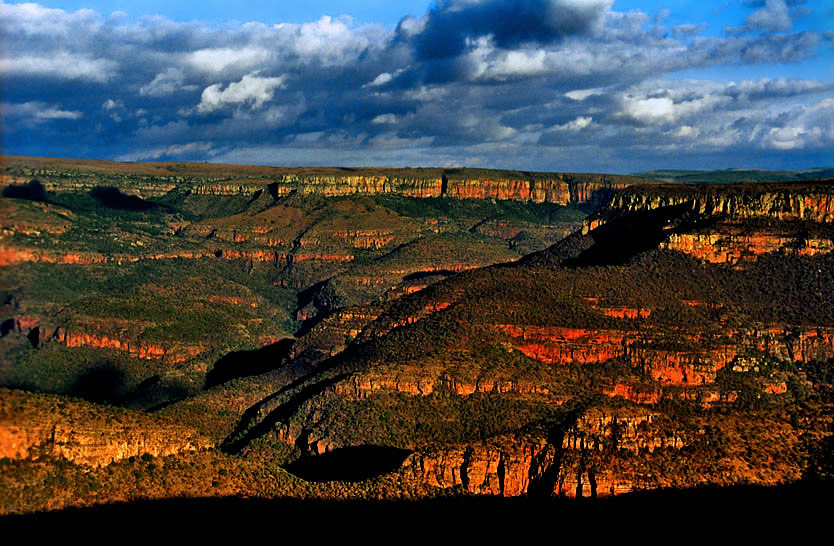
{"x": 613, "y": 86}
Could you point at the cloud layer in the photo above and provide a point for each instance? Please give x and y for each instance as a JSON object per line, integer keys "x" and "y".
{"x": 531, "y": 84}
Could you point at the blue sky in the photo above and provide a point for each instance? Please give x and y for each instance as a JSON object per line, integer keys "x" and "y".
{"x": 566, "y": 85}
{"x": 383, "y": 12}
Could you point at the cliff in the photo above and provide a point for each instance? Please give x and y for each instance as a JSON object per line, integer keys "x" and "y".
{"x": 726, "y": 224}
{"x": 156, "y": 179}
{"x": 35, "y": 426}
{"x": 808, "y": 201}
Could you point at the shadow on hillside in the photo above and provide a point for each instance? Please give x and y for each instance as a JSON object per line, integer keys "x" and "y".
{"x": 249, "y": 428}
{"x": 247, "y": 363}
{"x": 105, "y": 383}
{"x": 114, "y": 199}
{"x": 31, "y": 191}
{"x": 621, "y": 239}
{"x": 349, "y": 464}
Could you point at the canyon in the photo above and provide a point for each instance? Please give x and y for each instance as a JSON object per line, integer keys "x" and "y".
{"x": 410, "y": 333}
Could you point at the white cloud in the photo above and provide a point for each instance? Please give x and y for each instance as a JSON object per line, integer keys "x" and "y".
{"x": 804, "y": 127}
{"x": 576, "y": 124}
{"x": 329, "y": 41}
{"x": 686, "y": 131}
{"x": 773, "y": 16}
{"x": 582, "y": 94}
{"x": 426, "y": 94}
{"x": 175, "y": 150}
{"x": 383, "y": 119}
{"x": 688, "y": 29}
{"x": 251, "y": 89}
{"x": 384, "y": 78}
{"x": 650, "y": 110}
{"x": 36, "y": 112}
{"x": 214, "y": 60}
{"x": 113, "y": 107}
{"x": 517, "y": 63}
{"x": 34, "y": 20}
{"x": 410, "y": 27}
{"x": 165, "y": 83}
{"x": 487, "y": 62}
{"x": 111, "y": 104}
{"x": 61, "y": 65}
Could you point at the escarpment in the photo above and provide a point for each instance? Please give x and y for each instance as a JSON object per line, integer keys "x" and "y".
{"x": 154, "y": 180}
{"x": 531, "y": 464}
{"x": 36, "y": 426}
{"x": 778, "y": 201}
{"x": 734, "y": 224}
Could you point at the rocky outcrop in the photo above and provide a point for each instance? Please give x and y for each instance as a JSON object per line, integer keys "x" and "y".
{"x": 374, "y": 239}
{"x": 560, "y": 188}
{"x": 147, "y": 351}
{"x": 812, "y": 202}
{"x": 731, "y": 248}
{"x": 509, "y": 465}
{"x": 89, "y": 335}
{"x": 92, "y": 444}
{"x": 332, "y": 334}
{"x": 364, "y": 385}
{"x": 631, "y": 430}
{"x": 503, "y": 466}
{"x": 12, "y": 256}
{"x": 34, "y": 426}
{"x": 693, "y": 363}
{"x": 555, "y": 345}
{"x": 634, "y": 393}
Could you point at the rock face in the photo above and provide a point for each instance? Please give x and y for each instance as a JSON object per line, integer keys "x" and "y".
{"x": 519, "y": 465}
{"x": 560, "y": 188}
{"x": 799, "y": 201}
{"x": 735, "y": 248}
{"x": 33, "y": 426}
{"x": 504, "y": 466}
{"x": 734, "y": 224}
{"x": 92, "y": 444}
{"x": 39, "y": 332}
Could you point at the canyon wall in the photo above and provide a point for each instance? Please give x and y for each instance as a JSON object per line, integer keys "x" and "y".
{"x": 34, "y": 426}
{"x": 801, "y": 201}
{"x": 559, "y": 188}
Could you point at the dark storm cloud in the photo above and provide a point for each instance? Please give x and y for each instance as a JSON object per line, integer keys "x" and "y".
{"x": 510, "y": 83}
{"x": 450, "y": 24}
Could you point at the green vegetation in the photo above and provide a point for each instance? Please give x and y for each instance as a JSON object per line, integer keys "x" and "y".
{"x": 730, "y": 176}
{"x": 438, "y": 207}
{"x": 407, "y": 421}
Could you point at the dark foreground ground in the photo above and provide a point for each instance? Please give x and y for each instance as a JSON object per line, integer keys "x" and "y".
{"x": 792, "y": 508}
